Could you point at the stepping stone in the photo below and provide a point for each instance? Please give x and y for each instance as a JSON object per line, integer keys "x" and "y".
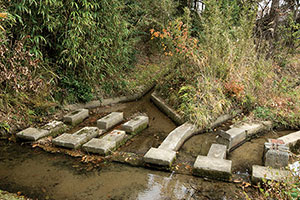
{"x": 55, "y": 127}
{"x": 105, "y": 144}
{"x": 211, "y": 167}
{"x": 238, "y": 134}
{"x": 136, "y": 125}
{"x": 32, "y": 134}
{"x": 75, "y": 140}
{"x": 217, "y": 151}
{"x": 291, "y": 139}
{"x": 260, "y": 172}
{"x": 161, "y": 157}
{"x": 76, "y": 116}
{"x": 276, "y": 155}
{"x": 178, "y": 136}
{"x": 110, "y": 120}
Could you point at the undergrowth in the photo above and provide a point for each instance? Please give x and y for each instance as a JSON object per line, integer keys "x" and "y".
{"x": 221, "y": 70}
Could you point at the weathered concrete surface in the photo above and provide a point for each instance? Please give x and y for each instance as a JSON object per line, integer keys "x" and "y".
{"x": 76, "y": 116}
{"x": 105, "y": 144}
{"x": 136, "y": 124}
{"x": 214, "y": 168}
{"x": 291, "y": 139}
{"x": 75, "y": 140}
{"x": 220, "y": 120}
{"x": 260, "y": 172}
{"x": 238, "y": 134}
{"x": 160, "y": 157}
{"x": 110, "y": 120}
{"x": 217, "y": 151}
{"x": 178, "y": 136}
{"x": 32, "y": 134}
{"x": 166, "y": 109}
{"x": 276, "y": 154}
{"x": 55, "y": 127}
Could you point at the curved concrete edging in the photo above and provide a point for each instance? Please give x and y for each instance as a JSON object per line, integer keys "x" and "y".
{"x": 109, "y": 101}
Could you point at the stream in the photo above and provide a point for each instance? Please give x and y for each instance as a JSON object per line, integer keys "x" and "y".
{"x": 41, "y": 175}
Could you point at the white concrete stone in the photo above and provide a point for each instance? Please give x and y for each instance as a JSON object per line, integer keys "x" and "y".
{"x": 178, "y": 136}
{"x": 260, "y": 172}
{"x": 160, "y": 157}
{"x": 76, "y": 116}
{"x": 291, "y": 139}
{"x": 238, "y": 134}
{"x": 276, "y": 159}
{"x": 110, "y": 120}
{"x": 217, "y": 151}
{"x": 214, "y": 168}
{"x": 77, "y": 139}
{"x": 32, "y": 134}
{"x": 135, "y": 125}
{"x": 55, "y": 127}
{"x": 105, "y": 144}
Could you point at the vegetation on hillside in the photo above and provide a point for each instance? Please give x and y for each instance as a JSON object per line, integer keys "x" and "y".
{"x": 231, "y": 54}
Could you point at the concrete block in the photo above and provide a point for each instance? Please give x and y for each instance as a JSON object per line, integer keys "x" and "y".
{"x": 55, "y": 127}
{"x": 160, "y": 157}
{"x": 32, "y": 134}
{"x": 75, "y": 140}
{"x": 105, "y": 144}
{"x": 260, "y": 172}
{"x": 76, "y": 116}
{"x": 238, "y": 134}
{"x": 116, "y": 136}
{"x": 160, "y": 103}
{"x": 291, "y": 139}
{"x": 217, "y": 151}
{"x": 110, "y": 120}
{"x": 135, "y": 125}
{"x": 276, "y": 159}
{"x": 214, "y": 168}
{"x": 178, "y": 136}
{"x": 99, "y": 146}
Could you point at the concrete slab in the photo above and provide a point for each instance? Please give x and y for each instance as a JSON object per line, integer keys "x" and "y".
{"x": 214, "y": 168}
{"x": 76, "y": 116}
{"x": 105, "y": 144}
{"x": 115, "y": 135}
{"x": 32, "y": 134}
{"x": 291, "y": 139}
{"x": 55, "y": 127}
{"x": 99, "y": 146}
{"x": 136, "y": 125}
{"x": 178, "y": 136}
{"x": 240, "y": 133}
{"x": 110, "y": 120}
{"x": 260, "y": 172}
{"x": 160, "y": 157}
{"x": 75, "y": 140}
{"x": 217, "y": 151}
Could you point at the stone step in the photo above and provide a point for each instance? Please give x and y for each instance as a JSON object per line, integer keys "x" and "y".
{"x": 78, "y": 138}
{"x": 136, "y": 125}
{"x": 177, "y": 137}
{"x": 291, "y": 139}
{"x": 211, "y": 167}
{"x": 110, "y": 120}
{"x": 240, "y": 133}
{"x": 76, "y": 116}
{"x": 32, "y": 134}
{"x": 105, "y": 144}
{"x": 217, "y": 151}
{"x": 161, "y": 157}
{"x": 35, "y": 134}
{"x": 260, "y": 172}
